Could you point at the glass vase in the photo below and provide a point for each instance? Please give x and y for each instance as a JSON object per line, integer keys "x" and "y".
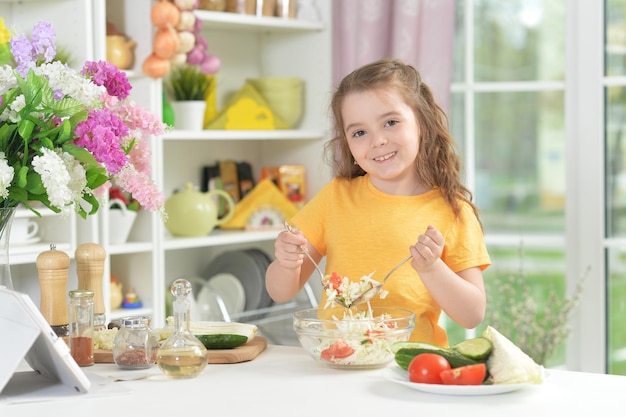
{"x": 6, "y": 220}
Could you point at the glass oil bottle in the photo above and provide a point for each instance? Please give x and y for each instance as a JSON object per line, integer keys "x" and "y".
{"x": 182, "y": 355}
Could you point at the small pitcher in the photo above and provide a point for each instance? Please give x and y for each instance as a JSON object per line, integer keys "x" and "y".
{"x": 120, "y": 52}
{"x": 193, "y": 213}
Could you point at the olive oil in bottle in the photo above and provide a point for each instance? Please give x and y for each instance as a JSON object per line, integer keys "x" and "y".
{"x": 182, "y": 355}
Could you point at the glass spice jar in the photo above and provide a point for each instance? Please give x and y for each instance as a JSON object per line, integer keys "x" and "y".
{"x": 81, "y": 326}
{"x": 135, "y": 346}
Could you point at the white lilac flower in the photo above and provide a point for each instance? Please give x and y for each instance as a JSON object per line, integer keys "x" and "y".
{"x": 78, "y": 180}
{"x": 54, "y": 176}
{"x": 15, "y": 107}
{"x": 6, "y": 176}
{"x": 71, "y": 83}
{"x": 7, "y": 79}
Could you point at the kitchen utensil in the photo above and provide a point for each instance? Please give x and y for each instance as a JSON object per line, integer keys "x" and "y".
{"x": 367, "y": 295}
{"x": 292, "y": 229}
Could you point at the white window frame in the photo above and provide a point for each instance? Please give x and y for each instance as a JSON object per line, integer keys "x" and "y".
{"x": 584, "y": 239}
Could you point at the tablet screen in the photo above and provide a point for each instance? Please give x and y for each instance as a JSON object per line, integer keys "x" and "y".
{"x": 47, "y": 354}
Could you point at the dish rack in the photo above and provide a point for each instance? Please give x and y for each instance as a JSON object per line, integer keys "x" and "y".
{"x": 267, "y": 315}
{"x": 261, "y": 315}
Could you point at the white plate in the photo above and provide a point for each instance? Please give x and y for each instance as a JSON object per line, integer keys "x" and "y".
{"x": 399, "y": 376}
{"x": 226, "y": 286}
{"x": 231, "y": 289}
{"x": 244, "y": 266}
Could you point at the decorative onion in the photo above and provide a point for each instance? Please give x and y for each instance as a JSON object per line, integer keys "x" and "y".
{"x": 210, "y": 65}
{"x": 187, "y": 41}
{"x": 156, "y": 67}
{"x": 165, "y": 14}
{"x": 185, "y": 4}
{"x": 166, "y": 43}
{"x": 187, "y": 21}
{"x": 178, "y": 59}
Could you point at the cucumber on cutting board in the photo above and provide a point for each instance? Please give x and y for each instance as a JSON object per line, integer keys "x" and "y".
{"x": 215, "y": 334}
{"x": 222, "y": 335}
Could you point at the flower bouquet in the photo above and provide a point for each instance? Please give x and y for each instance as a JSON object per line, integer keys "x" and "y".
{"x": 66, "y": 136}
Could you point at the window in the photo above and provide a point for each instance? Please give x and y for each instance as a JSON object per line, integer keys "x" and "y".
{"x": 527, "y": 111}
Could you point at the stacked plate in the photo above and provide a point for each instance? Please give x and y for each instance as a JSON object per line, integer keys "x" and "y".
{"x": 237, "y": 278}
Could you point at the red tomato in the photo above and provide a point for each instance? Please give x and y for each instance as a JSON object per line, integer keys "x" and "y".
{"x": 335, "y": 281}
{"x": 372, "y": 334}
{"x": 465, "y": 375}
{"x": 426, "y": 368}
{"x": 337, "y": 350}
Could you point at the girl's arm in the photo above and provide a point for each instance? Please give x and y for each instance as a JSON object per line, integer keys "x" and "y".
{"x": 291, "y": 269}
{"x": 461, "y": 296}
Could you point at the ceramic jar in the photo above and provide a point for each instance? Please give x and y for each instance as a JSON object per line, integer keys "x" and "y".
{"x": 194, "y": 213}
{"x": 120, "y": 51}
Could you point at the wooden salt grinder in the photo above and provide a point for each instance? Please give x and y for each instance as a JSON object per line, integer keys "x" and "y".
{"x": 90, "y": 270}
{"x": 52, "y": 269}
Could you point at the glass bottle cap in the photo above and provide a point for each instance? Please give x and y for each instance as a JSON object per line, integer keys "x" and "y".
{"x": 81, "y": 293}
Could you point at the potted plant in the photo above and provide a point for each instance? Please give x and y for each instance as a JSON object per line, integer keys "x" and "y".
{"x": 188, "y": 87}
{"x": 122, "y": 214}
{"x": 538, "y": 327}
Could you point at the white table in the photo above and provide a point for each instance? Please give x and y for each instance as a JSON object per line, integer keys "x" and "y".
{"x": 284, "y": 381}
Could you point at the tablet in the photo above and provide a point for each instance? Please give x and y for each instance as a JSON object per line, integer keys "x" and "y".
{"x": 27, "y": 335}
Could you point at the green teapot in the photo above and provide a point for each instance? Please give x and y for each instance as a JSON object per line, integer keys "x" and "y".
{"x": 194, "y": 213}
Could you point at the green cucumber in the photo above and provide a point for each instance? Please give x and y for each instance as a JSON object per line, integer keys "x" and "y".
{"x": 477, "y": 348}
{"x": 405, "y": 353}
{"x": 222, "y": 341}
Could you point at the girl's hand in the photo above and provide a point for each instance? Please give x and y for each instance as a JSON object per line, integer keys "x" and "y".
{"x": 287, "y": 249}
{"x": 428, "y": 249}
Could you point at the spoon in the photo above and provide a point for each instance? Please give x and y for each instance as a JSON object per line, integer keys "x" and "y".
{"x": 368, "y": 294}
{"x": 325, "y": 286}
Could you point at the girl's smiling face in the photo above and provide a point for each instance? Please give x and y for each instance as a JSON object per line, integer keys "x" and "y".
{"x": 383, "y": 137}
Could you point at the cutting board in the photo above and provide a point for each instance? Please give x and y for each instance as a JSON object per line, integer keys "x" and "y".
{"x": 243, "y": 353}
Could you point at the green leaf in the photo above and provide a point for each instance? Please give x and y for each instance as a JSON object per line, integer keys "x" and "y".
{"x": 21, "y": 177}
{"x": 6, "y": 133}
{"x": 65, "y": 132}
{"x": 34, "y": 184}
{"x": 91, "y": 199}
{"x": 96, "y": 177}
{"x": 31, "y": 88}
{"x": 25, "y": 128}
{"x": 66, "y": 107}
{"x": 82, "y": 154}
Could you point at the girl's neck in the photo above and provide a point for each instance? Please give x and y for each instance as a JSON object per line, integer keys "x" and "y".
{"x": 406, "y": 188}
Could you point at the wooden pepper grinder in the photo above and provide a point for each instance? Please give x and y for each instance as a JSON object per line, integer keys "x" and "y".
{"x": 90, "y": 270}
{"x": 52, "y": 269}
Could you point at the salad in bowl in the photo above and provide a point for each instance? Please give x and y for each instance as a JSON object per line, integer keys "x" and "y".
{"x": 353, "y": 338}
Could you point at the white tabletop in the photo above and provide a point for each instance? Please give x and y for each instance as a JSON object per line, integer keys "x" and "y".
{"x": 285, "y": 381}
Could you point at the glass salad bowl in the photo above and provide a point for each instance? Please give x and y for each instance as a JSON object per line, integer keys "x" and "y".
{"x": 356, "y": 338}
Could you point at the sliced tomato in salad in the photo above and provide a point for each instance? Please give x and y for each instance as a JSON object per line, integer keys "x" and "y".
{"x": 372, "y": 333}
{"x": 337, "y": 350}
{"x": 334, "y": 281}
{"x": 465, "y": 375}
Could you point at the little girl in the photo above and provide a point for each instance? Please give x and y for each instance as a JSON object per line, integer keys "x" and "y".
{"x": 397, "y": 191}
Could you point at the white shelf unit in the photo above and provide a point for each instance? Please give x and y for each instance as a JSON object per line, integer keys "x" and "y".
{"x": 248, "y": 47}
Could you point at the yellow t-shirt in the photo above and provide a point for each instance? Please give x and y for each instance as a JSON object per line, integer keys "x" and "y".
{"x": 362, "y": 230}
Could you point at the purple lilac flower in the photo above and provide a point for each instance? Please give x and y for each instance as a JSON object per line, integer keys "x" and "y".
{"x": 42, "y": 39}
{"x": 106, "y": 74}
{"x": 101, "y": 134}
{"x": 21, "y": 49}
{"x": 26, "y": 52}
